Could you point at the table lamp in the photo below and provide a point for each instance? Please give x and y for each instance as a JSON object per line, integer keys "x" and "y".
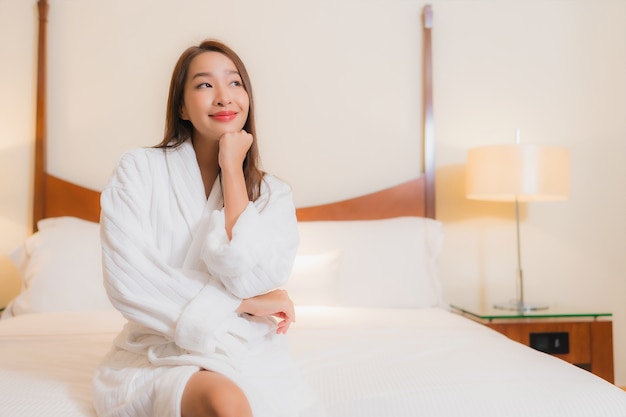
{"x": 518, "y": 173}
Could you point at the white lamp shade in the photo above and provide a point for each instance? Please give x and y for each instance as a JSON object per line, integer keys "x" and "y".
{"x": 522, "y": 172}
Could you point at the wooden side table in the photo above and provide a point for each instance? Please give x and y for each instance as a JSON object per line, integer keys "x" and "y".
{"x": 581, "y": 337}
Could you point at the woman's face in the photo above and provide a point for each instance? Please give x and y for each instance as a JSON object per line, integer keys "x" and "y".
{"x": 214, "y": 99}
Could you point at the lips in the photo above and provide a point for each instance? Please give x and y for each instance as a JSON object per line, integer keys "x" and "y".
{"x": 223, "y": 116}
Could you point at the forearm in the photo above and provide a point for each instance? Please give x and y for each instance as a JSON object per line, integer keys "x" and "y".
{"x": 235, "y": 197}
{"x": 272, "y": 304}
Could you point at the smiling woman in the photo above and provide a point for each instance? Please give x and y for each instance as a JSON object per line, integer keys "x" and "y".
{"x": 227, "y": 238}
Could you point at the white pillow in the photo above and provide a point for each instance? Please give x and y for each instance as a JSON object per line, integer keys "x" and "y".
{"x": 315, "y": 279}
{"x": 61, "y": 268}
{"x": 386, "y": 263}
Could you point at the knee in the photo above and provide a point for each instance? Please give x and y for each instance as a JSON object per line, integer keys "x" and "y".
{"x": 212, "y": 395}
{"x": 227, "y": 403}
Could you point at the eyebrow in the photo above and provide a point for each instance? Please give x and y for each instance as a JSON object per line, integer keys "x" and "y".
{"x": 208, "y": 74}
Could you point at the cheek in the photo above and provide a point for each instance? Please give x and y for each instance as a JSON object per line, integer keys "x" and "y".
{"x": 196, "y": 107}
{"x": 244, "y": 103}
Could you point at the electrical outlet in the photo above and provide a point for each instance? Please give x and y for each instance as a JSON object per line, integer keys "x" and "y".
{"x": 557, "y": 342}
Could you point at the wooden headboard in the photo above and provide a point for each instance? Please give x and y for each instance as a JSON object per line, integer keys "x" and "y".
{"x": 54, "y": 196}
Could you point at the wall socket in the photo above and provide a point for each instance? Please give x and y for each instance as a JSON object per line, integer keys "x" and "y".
{"x": 556, "y": 342}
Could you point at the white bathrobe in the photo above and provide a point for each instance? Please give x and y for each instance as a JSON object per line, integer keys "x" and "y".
{"x": 171, "y": 270}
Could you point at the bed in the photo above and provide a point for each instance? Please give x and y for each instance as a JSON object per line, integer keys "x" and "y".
{"x": 373, "y": 336}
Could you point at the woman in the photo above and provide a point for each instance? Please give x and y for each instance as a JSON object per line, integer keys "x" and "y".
{"x": 196, "y": 240}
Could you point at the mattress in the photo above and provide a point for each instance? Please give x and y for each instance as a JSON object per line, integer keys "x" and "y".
{"x": 361, "y": 362}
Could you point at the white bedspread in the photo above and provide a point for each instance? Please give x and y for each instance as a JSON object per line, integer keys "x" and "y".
{"x": 361, "y": 362}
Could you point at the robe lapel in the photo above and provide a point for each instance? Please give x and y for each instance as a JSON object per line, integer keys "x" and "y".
{"x": 214, "y": 202}
{"x": 186, "y": 183}
{"x": 189, "y": 193}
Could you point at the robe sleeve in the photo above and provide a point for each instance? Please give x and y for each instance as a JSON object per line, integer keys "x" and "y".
{"x": 261, "y": 253}
{"x": 185, "y": 306}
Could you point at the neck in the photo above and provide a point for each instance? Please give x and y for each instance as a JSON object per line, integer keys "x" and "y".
{"x": 206, "y": 155}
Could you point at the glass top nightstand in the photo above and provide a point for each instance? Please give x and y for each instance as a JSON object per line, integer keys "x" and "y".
{"x": 485, "y": 311}
{"x": 579, "y": 335}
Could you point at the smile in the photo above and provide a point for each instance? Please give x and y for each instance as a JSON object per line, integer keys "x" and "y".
{"x": 224, "y": 116}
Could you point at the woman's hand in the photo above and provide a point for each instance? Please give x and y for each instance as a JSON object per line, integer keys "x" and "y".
{"x": 233, "y": 148}
{"x": 275, "y": 303}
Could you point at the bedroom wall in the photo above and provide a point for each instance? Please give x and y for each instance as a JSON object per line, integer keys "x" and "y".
{"x": 338, "y": 91}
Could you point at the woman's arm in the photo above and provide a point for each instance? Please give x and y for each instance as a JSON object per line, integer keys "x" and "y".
{"x": 260, "y": 255}
{"x": 232, "y": 152}
{"x": 274, "y": 303}
{"x": 186, "y": 306}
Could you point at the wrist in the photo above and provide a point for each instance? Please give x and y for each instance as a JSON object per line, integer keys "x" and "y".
{"x": 231, "y": 168}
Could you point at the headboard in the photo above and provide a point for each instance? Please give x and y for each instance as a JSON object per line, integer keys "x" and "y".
{"x": 55, "y": 197}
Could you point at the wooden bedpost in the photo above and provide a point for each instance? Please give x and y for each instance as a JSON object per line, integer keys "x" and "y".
{"x": 428, "y": 116}
{"x": 40, "y": 129}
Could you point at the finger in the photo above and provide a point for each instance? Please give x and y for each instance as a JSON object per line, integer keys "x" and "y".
{"x": 286, "y": 320}
{"x": 283, "y": 326}
{"x": 279, "y": 327}
{"x": 285, "y": 316}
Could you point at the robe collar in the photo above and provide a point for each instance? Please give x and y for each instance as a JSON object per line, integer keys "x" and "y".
{"x": 188, "y": 187}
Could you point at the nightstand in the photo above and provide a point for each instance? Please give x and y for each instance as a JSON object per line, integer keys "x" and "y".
{"x": 578, "y": 336}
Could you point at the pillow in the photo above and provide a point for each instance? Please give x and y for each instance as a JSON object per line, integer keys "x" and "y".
{"x": 61, "y": 268}
{"x": 315, "y": 279}
{"x": 385, "y": 263}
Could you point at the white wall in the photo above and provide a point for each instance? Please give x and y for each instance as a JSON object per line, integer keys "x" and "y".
{"x": 337, "y": 84}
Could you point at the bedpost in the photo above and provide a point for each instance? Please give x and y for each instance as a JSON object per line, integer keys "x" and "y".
{"x": 428, "y": 117}
{"x": 40, "y": 129}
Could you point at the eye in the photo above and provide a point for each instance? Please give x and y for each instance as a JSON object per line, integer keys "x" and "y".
{"x": 204, "y": 85}
{"x": 236, "y": 83}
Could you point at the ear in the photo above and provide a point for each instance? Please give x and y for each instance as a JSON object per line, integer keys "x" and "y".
{"x": 182, "y": 113}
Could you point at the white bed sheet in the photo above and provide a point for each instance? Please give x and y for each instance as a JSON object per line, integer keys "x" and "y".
{"x": 361, "y": 362}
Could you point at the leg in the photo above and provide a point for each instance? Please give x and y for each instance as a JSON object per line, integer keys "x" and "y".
{"x": 209, "y": 394}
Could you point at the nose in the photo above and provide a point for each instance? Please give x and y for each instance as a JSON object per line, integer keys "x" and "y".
{"x": 222, "y": 97}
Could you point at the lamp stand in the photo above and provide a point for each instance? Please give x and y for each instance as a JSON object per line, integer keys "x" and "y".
{"x": 519, "y": 304}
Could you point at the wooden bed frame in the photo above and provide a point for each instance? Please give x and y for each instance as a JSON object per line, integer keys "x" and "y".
{"x": 55, "y": 197}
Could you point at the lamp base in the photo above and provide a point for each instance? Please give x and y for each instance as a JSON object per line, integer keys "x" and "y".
{"x": 519, "y": 306}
